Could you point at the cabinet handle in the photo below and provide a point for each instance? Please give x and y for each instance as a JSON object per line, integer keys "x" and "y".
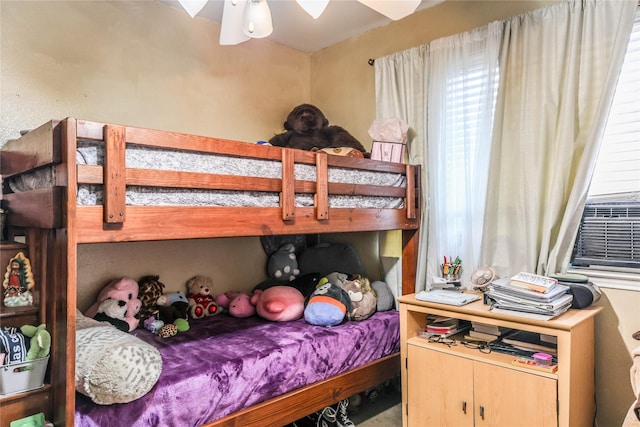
{"x": 482, "y": 412}
{"x": 464, "y": 406}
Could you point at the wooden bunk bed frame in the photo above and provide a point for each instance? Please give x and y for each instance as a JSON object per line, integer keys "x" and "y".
{"x": 54, "y": 225}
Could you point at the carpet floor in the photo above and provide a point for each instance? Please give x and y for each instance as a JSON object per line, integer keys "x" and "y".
{"x": 384, "y": 409}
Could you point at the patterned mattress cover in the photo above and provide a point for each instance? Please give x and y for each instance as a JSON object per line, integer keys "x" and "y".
{"x": 223, "y": 364}
{"x": 92, "y": 153}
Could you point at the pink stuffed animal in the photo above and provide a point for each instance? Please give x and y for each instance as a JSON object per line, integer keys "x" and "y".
{"x": 122, "y": 289}
{"x": 238, "y": 304}
{"x": 279, "y": 303}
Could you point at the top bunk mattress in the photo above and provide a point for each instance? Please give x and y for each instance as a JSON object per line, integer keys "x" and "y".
{"x": 159, "y": 159}
{"x": 223, "y": 364}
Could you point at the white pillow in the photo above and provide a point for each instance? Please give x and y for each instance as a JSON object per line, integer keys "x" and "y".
{"x": 113, "y": 366}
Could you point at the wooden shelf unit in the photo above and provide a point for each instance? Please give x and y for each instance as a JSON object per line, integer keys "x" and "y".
{"x": 490, "y": 389}
{"x": 19, "y": 405}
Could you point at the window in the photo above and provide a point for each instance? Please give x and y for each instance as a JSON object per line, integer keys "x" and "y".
{"x": 609, "y": 234}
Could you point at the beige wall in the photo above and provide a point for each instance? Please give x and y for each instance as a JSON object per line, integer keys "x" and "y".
{"x": 618, "y": 320}
{"x": 146, "y": 64}
{"x": 141, "y": 63}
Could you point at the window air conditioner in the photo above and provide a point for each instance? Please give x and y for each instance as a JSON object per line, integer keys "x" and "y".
{"x": 609, "y": 234}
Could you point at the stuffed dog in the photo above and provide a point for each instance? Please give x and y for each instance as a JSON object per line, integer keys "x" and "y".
{"x": 307, "y": 128}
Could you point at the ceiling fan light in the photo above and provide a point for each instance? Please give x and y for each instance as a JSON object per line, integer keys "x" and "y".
{"x": 313, "y": 7}
{"x": 193, "y": 7}
{"x": 257, "y": 19}
{"x": 232, "y": 20}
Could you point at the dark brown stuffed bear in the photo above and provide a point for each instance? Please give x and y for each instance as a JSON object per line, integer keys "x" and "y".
{"x": 307, "y": 128}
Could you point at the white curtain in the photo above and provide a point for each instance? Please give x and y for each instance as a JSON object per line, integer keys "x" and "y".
{"x": 558, "y": 68}
{"x": 558, "y": 71}
{"x": 463, "y": 72}
{"x": 400, "y": 92}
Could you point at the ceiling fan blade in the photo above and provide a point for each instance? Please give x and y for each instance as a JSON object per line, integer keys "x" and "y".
{"x": 393, "y": 9}
{"x": 193, "y": 7}
{"x": 231, "y": 27}
{"x": 313, "y": 7}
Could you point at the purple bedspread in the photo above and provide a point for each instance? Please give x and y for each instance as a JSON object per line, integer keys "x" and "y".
{"x": 223, "y": 364}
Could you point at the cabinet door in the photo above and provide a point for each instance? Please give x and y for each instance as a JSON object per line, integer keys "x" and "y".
{"x": 506, "y": 397}
{"x": 440, "y": 389}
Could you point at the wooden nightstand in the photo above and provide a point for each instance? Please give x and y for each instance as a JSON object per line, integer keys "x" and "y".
{"x": 459, "y": 386}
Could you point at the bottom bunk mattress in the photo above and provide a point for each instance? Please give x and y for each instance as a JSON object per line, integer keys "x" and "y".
{"x": 223, "y": 364}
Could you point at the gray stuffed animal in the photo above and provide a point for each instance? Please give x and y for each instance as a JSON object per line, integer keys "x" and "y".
{"x": 283, "y": 264}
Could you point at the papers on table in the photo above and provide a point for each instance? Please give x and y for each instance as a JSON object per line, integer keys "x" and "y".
{"x": 508, "y": 299}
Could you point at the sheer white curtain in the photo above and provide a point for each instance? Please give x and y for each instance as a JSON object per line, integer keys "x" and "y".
{"x": 463, "y": 77}
{"x": 558, "y": 71}
{"x": 400, "y": 92}
{"x": 446, "y": 92}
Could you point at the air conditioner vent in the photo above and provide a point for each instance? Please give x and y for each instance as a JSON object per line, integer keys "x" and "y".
{"x": 609, "y": 234}
{"x": 623, "y": 210}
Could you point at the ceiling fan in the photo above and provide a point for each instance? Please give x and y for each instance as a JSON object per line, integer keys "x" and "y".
{"x": 245, "y": 19}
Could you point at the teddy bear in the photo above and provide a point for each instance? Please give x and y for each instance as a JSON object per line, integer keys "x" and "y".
{"x": 237, "y": 304}
{"x": 122, "y": 289}
{"x": 283, "y": 264}
{"x": 114, "y": 312}
{"x": 40, "y": 342}
{"x": 201, "y": 301}
{"x": 307, "y": 128}
{"x": 278, "y": 303}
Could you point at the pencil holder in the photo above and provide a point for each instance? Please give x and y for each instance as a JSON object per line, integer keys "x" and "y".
{"x": 451, "y": 275}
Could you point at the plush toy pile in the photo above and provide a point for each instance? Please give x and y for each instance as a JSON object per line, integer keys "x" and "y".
{"x": 294, "y": 289}
{"x": 324, "y": 299}
{"x": 127, "y": 305}
{"x": 164, "y": 314}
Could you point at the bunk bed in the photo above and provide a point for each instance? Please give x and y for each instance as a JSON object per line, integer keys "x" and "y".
{"x": 71, "y": 182}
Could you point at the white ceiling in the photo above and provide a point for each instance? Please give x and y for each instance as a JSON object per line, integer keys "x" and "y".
{"x": 293, "y": 27}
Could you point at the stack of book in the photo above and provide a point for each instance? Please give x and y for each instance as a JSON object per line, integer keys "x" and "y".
{"x": 445, "y": 326}
{"x": 484, "y": 332}
{"x": 533, "y": 282}
{"x": 529, "y": 295}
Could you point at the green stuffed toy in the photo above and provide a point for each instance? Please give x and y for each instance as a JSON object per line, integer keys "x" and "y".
{"x": 40, "y": 343}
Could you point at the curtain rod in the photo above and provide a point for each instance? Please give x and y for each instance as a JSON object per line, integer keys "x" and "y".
{"x": 371, "y": 61}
